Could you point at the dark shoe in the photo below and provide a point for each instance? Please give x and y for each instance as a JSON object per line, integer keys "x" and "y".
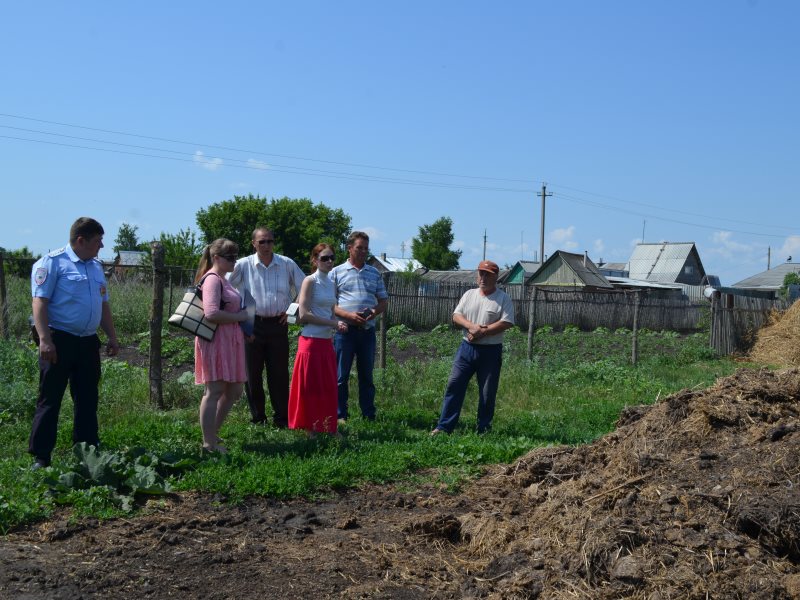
{"x": 40, "y": 463}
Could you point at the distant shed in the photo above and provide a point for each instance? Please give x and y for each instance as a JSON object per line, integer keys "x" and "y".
{"x": 391, "y": 264}
{"x": 666, "y": 262}
{"x": 521, "y": 272}
{"x": 568, "y": 270}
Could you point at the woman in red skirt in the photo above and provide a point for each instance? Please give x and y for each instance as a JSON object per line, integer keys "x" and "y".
{"x": 313, "y": 397}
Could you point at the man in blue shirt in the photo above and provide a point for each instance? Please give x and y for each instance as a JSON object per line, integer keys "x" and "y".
{"x": 70, "y": 300}
{"x": 360, "y": 297}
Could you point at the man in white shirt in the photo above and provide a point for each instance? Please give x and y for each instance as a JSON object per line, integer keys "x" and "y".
{"x": 485, "y": 313}
{"x": 269, "y": 277}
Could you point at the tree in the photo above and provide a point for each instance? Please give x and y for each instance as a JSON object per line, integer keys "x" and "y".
{"x": 180, "y": 250}
{"x": 233, "y": 219}
{"x": 18, "y": 262}
{"x": 298, "y": 224}
{"x": 432, "y": 246}
{"x": 789, "y": 279}
{"x": 126, "y": 238}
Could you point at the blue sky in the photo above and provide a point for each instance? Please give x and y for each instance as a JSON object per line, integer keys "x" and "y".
{"x": 674, "y": 119}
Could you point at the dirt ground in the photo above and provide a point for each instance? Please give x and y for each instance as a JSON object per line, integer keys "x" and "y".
{"x": 694, "y": 497}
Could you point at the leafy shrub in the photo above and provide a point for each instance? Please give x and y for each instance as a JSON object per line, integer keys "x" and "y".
{"x": 19, "y": 372}
{"x": 571, "y": 328}
{"x": 397, "y": 331}
{"x": 121, "y": 475}
{"x": 544, "y": 330}
{"x": 601, "y": 331}
{"x": 622, "y": 331}
{"x": 442, "y": 328}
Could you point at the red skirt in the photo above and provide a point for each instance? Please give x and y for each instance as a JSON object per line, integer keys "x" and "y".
{"x": 313, "y": 396}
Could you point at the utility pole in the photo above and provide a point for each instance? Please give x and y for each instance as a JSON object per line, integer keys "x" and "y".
{"x": 769, "y": 256}
{"x": 644, "y": 222}
{"x": 402, "y": 249}
{"x": 544, "y": 194}
{"x": 484, "y": 244}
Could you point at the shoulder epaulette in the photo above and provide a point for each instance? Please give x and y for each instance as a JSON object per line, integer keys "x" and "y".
{"x": 55, "y": 253}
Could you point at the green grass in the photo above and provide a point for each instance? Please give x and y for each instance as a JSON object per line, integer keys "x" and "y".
{"x": 571, "y": 393}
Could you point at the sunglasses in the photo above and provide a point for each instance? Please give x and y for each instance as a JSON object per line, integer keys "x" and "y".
{"x": 262, "y": 242}
{"x": 229, "y": 257}
{"x": 327, "y": 258}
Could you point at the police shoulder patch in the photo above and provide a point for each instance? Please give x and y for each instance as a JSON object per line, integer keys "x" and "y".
{"x": 40, "y": 276}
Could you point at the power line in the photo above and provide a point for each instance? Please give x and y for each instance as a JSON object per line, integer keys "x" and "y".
{"x": 296, "y": 170}
{"x": 247, "y": 163}
{"x": 290, "y": 169}
{"x": 650, "y": 216}
{"x": 675, "y": 210}
{"x": 261, "y": 153}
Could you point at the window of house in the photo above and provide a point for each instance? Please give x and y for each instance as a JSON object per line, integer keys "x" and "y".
{"x": 688, "y": 270}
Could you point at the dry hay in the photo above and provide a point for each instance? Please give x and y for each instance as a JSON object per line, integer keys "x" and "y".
{"x": 694, "y": 497}
{"x": 779, "y": 342}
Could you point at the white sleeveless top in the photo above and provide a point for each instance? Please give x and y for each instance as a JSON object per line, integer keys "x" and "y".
{"x": 323, "y": 297}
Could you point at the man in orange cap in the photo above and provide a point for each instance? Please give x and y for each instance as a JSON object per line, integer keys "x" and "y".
{"x": 484, "y": 313}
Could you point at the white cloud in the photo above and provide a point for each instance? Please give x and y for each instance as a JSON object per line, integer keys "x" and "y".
{"x": 257, "y": 164}
{"x": 726, "y": 247}
{"x": 210, "y": 164}
{"x": 562, "y": 238}
{"x": 374, "y": 233}
{"x": 791, "y": 247}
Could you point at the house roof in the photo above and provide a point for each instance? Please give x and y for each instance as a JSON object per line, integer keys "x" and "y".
{"x": 771, "y": 279}
{"x": 613, "y": 266}
{"x": 662, "y": 262}
{"x": 394, "y": 264}
{"x": 581, "y": 266}
{"x": 460, "y": 276}
{"x": 528, "y": 267}
{"x": 638, "y": 283}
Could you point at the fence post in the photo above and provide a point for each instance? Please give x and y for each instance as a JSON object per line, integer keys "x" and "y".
{"x": 156, "y": 321}
{"x": 382, "y": 327}
{"x": 3, "y": 300}
{"x": 635, "y": 334}
{"x": 532, "y": 322}
{"x": 169, "y": 305}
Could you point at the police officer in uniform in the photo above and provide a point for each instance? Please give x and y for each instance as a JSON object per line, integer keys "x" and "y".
{"x": 70, "y": 300}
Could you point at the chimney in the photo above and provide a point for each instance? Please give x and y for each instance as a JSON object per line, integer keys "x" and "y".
{"x": 383, "y": 256}
{"x": 585, "y": 256}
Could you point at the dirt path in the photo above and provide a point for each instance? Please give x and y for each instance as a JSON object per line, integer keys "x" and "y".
{"x": 695, "y": 497}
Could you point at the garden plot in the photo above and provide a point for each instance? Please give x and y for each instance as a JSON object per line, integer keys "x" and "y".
{"x": 693, "y": 497}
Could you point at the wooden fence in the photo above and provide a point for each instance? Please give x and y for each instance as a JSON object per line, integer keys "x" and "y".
{"x": 736, "y": 319}
{"x": 423, "y": 305}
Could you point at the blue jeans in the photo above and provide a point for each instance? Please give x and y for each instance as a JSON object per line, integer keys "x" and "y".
{"x": 358, "y": 343}
{"x": 472, "y": 359}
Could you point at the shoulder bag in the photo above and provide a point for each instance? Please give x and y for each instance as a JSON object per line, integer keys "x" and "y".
{"x": 190, "y": 316}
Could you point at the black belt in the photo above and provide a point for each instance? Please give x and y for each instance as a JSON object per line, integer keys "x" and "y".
{"x": 268, "y": 319}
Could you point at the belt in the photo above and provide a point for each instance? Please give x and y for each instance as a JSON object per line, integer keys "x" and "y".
{"x": 268, "y": 319}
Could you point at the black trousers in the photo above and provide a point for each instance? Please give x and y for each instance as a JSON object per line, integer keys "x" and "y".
{"x": 78, "y": 363}
{"x": 270, "y": 349}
